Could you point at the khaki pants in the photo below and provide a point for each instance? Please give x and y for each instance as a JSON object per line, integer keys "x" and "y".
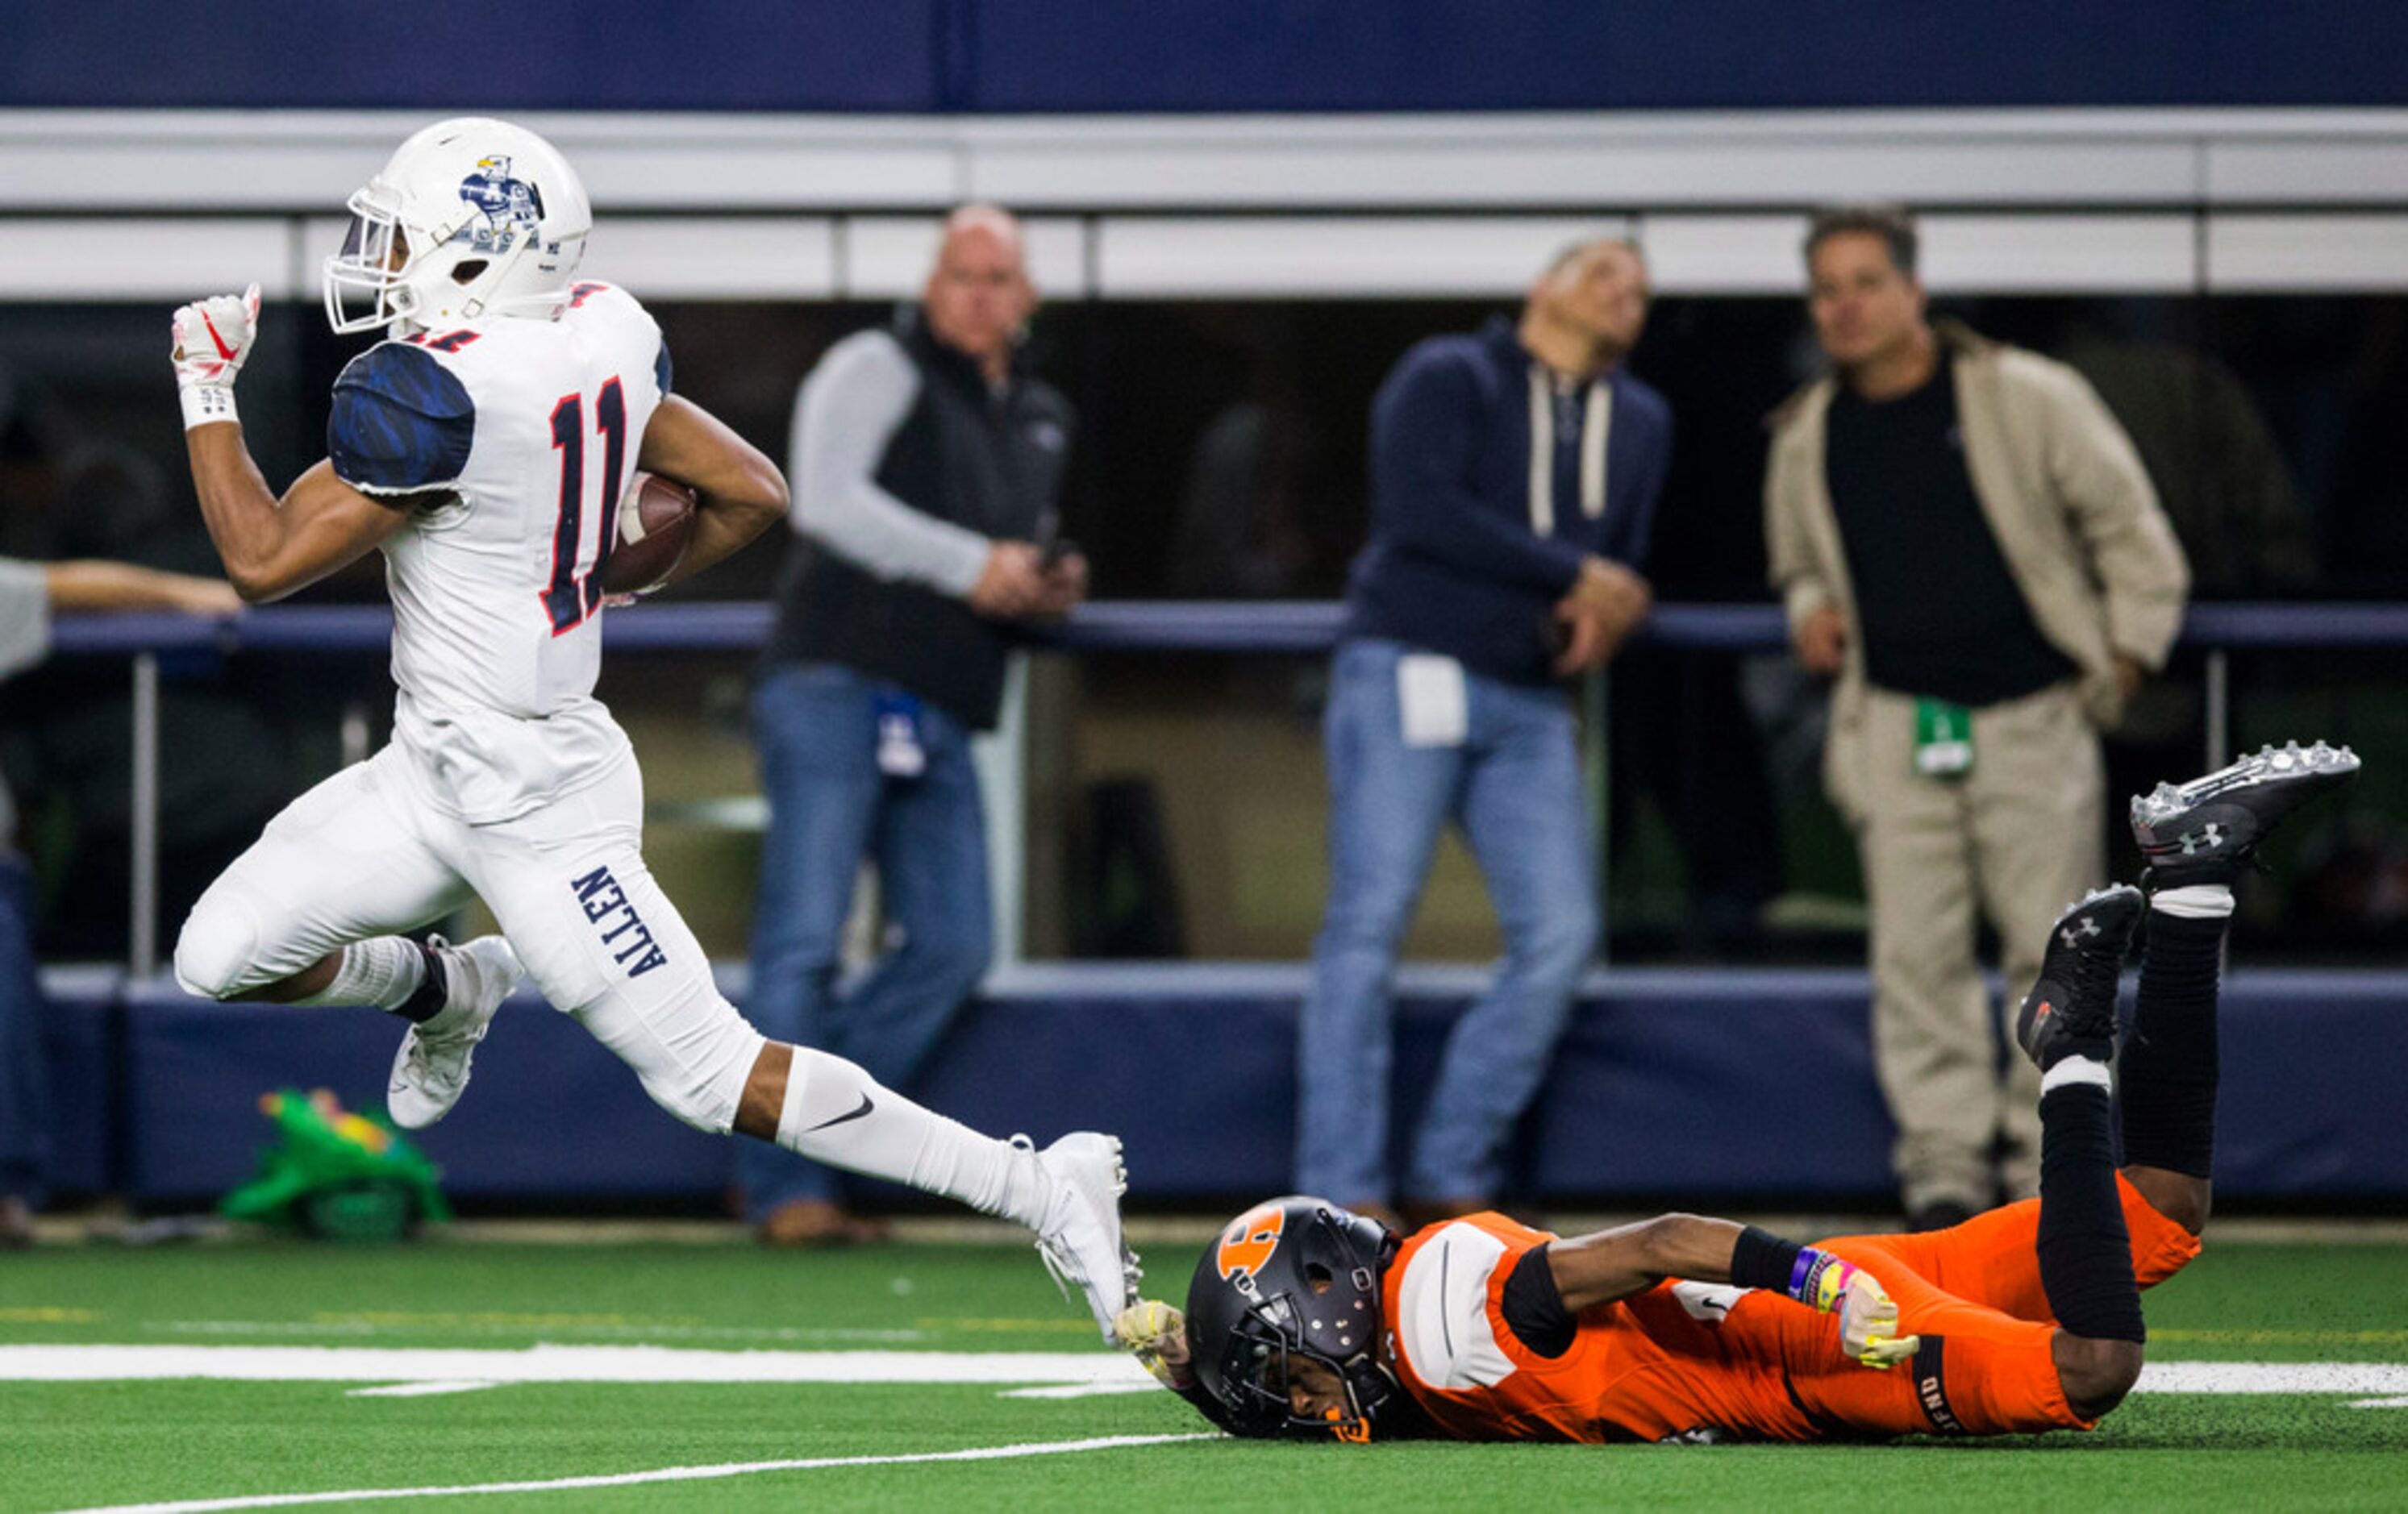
{"x": 2020, "y": 836}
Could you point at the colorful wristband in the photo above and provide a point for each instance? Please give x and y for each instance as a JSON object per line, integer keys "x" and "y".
{"x": 1819, "y": 1280}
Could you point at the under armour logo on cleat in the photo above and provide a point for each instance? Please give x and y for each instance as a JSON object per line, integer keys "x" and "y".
{"x": 2207, "y": 837}
{"x": 2073, "y": 934}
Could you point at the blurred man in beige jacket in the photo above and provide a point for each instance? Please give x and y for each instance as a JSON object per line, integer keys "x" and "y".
{"x": 1966, "y": 541}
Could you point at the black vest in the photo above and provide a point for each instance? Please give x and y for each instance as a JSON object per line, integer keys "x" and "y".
{"x": 990, "y": 461}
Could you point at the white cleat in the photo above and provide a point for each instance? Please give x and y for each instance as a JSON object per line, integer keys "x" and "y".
{"x": 1081, "y": 1241}
{"x": 431, "y": 1069}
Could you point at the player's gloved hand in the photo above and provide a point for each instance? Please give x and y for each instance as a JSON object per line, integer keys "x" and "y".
{"x": 212, "y": 337}
{"x": 1157, "y": 1334}
{"x": 1869, "y": 1323}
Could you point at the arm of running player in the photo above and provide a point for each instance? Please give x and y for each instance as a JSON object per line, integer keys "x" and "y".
{"x": 273, "y": 546}
{"x": 742, "y": 493}
{"x": 270, "y": 547}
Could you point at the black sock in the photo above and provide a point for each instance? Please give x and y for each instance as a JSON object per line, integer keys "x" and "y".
{"x": 2167, "y": 1077}
{"x": 427, "y": 999}
{"x": 2086, "y": 1253}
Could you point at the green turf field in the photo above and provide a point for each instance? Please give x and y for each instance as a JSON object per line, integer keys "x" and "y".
{"x": 654, "y": 1311}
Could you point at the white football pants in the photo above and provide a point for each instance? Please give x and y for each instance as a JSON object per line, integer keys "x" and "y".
{"x": 361, "y": 855}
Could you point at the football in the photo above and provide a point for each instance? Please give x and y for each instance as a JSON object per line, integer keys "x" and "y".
{"x": 655, "y": 523}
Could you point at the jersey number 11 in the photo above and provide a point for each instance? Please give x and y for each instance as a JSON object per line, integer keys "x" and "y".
{"x": 572, "y": 596}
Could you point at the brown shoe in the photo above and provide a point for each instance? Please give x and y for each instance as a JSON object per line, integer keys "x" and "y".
{"x": 809, "y": 1222}
{"x": 16, "y": 1224}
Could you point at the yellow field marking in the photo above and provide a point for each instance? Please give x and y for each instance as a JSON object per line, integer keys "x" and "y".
{"x": 1007, "y": 1326}
{"x": 47, "y": 1314}
{"x": 505, "y": 1320}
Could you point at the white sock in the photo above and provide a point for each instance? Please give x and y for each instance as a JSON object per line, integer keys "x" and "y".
{"x": 2198, "y": 901}
{"x": 380, "y": 972}
{"x": 2071, "y": 1071}
{"x": 837, "y": 1114}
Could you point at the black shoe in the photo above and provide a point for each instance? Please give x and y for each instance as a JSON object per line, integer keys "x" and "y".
{"x": 2071, "y": 1010}
{"x": 2204, "y": 831}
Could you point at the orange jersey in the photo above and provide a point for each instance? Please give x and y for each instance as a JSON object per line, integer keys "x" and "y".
{"x": 1685, "y": 1357}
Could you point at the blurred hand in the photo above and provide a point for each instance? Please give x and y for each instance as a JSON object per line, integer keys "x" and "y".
{"x": 1605, "y": 604}
{"x": 1012, "y": 583}
{"x": 1065, "y": 585}
{"x": 2130, "y": 676}
{"x": 1821, "y": 640}
{"x": 1606, "y": 588}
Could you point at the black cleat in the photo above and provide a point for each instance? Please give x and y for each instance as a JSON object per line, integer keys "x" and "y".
{"x": 2071, "y": 1010}
{"x": 2206, "y": 830}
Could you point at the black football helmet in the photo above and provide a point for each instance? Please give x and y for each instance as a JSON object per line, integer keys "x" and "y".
{"x": 1295, "y": 1277}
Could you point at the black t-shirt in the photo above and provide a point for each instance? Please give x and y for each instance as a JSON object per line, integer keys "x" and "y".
{"x": 1939, "y": 613}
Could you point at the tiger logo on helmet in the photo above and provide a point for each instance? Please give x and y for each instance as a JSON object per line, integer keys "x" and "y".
{"x": 1296, "y": 1280}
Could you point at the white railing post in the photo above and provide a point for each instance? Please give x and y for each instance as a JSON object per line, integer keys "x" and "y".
{"x": 142, "y": 924}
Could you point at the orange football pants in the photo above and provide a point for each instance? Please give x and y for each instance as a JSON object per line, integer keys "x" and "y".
{"x": 1976, "y": 1287}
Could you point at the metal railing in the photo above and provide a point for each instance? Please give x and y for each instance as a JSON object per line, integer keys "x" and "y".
{"x": 1294, "y": 628}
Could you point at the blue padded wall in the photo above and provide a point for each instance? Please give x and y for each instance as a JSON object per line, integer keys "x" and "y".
{"x": 1690, "y": 1086}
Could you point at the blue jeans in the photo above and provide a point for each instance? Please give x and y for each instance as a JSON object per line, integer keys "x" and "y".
{"x": 24, "y": 1104}
{"x": 1514, "y": 786}
{"x": 829, "y": 807}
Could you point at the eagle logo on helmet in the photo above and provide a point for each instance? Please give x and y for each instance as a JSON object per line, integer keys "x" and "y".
{"x": 504, "y": 206}
{"x": 1247, "y": 1245}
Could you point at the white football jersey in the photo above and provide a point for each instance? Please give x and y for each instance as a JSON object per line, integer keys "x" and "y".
{"x": 533, "y": 426}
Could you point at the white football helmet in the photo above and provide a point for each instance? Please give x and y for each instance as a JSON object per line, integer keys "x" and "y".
{"x": 471, "y": 217}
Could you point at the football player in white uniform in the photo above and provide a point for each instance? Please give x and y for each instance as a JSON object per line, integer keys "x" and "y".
{"x": 483, "y": 448}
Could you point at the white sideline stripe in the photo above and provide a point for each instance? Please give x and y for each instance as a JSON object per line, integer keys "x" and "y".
{"x": 666, "y": 1474}
{"x": 2379, "y": 1403}
{"x": 2274, "y": 1377}
{"x": 555, "y": 1363}
{"x": 420, "y": 1390}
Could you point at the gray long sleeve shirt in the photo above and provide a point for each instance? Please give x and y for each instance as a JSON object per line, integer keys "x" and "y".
{"x": 845, "y": 415}
{"x": 24, "y": 640}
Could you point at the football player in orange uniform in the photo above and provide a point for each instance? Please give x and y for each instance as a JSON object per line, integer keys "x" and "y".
{"x": 1305, "y": 1320}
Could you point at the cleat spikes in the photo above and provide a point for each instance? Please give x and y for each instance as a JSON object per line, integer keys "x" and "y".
{"x": 2206, "y": 831}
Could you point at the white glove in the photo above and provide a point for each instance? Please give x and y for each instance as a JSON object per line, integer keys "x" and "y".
{"x": 1868, "y": 1323}
{"x": 213, "y": 336}
{"x": 1157, "y": 1334}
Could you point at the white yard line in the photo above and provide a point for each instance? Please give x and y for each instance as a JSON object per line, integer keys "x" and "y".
{"x": 420, "y": 1390}
{"x": 555, "y": 1363}
{"x": 629, "y": 1479}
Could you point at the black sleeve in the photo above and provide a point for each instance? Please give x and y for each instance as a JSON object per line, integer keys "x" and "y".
{"x": 1534, "y": 1306}
{"x": 1763, "y": 1259}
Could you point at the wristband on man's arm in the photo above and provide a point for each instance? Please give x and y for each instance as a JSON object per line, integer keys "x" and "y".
{"x": 1763, "y": 1259}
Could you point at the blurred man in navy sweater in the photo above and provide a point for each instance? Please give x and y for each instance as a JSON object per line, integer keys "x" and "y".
{"x": 1514, "y": 474}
